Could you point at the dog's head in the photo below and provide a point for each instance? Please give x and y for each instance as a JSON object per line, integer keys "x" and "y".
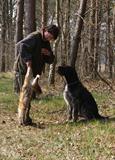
{"x": 68, "y": 72}
{"x": 35, "y": 85}
{"x": 63, "y": 70}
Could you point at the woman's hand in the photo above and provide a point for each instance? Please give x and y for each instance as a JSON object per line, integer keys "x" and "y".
{"x": 45, "y": 51}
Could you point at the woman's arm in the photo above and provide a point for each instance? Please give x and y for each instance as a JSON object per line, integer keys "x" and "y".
{"x": 26, "y": 47}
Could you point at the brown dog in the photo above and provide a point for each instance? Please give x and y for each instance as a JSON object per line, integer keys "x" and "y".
{"x": 26, "y": 96}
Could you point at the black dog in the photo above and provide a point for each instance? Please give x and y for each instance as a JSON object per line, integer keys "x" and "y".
{"x": 79, "y": 100}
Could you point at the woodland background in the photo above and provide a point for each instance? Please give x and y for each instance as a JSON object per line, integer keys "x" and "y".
{"x": 86, "y": 41}
{"x": 87, "y": 38}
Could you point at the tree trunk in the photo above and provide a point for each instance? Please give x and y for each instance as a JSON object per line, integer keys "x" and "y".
{"x": 19, "y": 23}
{"x": 10, "y": 36}
{"x": 30, "y": 21}
{"x": 109, "y": 51}
{"x": 114, "y": 34}
{"x": 90, "y": 58}
{"x": 66, "y": 33}
{"x": 3, "y": 34}
{"x": 68, "y": 30}
{"x": 18, "y": 37}
{"x": 44, "y": 13}
{"x": 44, "y": 18}
{"x": 96, "y": 40}
{"x": 55, "y": 47}
{"x": 78, "y": 30}
{"x": 62, "y": 53}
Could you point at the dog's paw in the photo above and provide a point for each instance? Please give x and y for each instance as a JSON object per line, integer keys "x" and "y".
{"x": 71, "y": 121}
{"x": 21, "y": 117}
{"x": 28, "y": 121}
{"x": 21, "y": 122}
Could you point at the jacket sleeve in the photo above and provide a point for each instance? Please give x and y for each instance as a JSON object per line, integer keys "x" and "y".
{"x": 26, "y": 47}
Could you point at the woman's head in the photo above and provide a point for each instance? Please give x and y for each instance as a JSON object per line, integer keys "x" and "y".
{"x": 51, "y": 32}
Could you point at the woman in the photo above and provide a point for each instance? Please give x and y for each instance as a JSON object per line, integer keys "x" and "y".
{"x": 34, "y": 51}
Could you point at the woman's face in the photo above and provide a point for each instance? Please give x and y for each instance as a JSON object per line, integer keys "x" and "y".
{"x": 48, "y": 36}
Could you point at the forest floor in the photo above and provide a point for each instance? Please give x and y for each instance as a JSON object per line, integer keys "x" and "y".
{"x": 51, "y": 137}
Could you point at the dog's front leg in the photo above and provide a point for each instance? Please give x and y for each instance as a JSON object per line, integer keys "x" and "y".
{"x": 28, "y": 120}
{"x": 24, "y": 106}
{"x": 21, "y": 114}
{"x": 75, "y": 113}
{"x": 75, "y": 110}
{"x": 70, "y": 112}
{"x": 70, "y": 109}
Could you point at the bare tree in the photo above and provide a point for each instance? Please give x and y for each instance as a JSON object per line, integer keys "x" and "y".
{"x": 55, "y": 47}
{"x": 3, "y": 34}
{"x": 78, "y": 29}
{"x": 10, "y": 35}
{"x": 44, "y": 13}
{"x": 96, "y": 40}
{"x": 29, "y": 21}
{"x": 91, "y": 38}
{"x": 19, "y": 22}
{"x": 18, "y": 37}
{"x": 109, "y": 50}
{"x": 114, "y": 34}
{"x": 65, "y": 21}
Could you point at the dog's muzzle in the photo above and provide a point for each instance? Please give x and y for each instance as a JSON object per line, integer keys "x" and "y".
{"x": 60, "y": 70}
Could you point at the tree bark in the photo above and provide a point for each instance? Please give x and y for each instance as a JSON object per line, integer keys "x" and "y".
{"x": 3, "y": 34}
{"x": 90, "y": 58}
{"x": 114, "y": 33}
{"x": 51, "y": 77}
{"x": 96, "y": 40}
{"x": 19, "y": 23}
{"x": 78, "y": 29}
{"x": 109, "y": 50}
{"x": 30, "y": 21}
{"x": 44, "y": 13}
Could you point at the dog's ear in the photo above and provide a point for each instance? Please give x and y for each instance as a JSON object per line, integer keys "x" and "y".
{"x": 63, "y": 64}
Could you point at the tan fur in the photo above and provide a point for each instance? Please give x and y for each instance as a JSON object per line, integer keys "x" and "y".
{"x": 26, "y": 95}
{"x": 25, "y": 98}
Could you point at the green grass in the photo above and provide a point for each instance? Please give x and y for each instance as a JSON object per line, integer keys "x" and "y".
{"x": 52, "y": 138}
